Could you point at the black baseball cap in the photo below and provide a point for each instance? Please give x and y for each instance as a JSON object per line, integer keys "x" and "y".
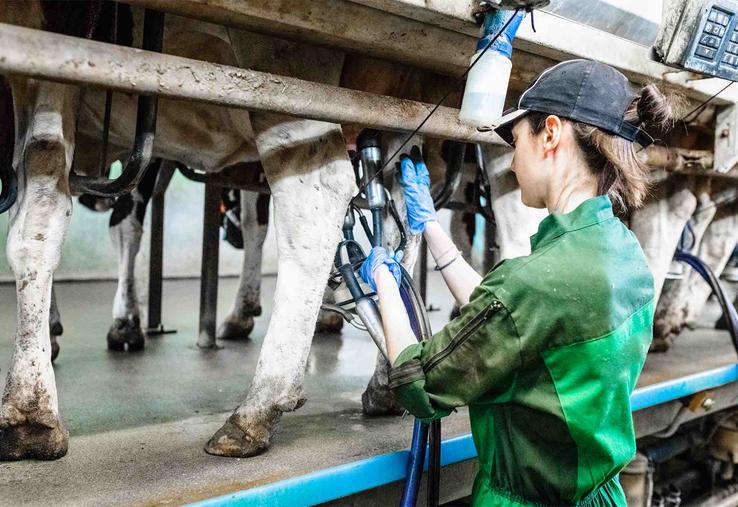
{"x": 580, "y": 90}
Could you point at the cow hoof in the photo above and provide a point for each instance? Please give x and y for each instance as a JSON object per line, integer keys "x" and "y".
{"x": 379, "y": 401}
{"x": 660, "y": 345}
{"x": 234, "y": 328}
{"x": 33, "y": 440}
{"x": 54, "y": 348}
{"x": 125, "y": 332}
{"x": 233, "y": 442}
{"x": 329, "y": 322}
{"x": 56, "y": 329}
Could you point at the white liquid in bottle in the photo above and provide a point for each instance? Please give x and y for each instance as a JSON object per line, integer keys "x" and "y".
{"x": 486, "y": 88}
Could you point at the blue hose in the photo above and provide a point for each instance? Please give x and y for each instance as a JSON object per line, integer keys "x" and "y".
{"x": 415, "y": 465}
{"x": 421, "y": 327}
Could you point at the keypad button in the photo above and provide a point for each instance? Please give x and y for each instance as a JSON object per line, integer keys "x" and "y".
{"x": 709, "y": 40}
{"x": 705, "y": 52}
{"x": 733, "y": 48}
{"x": 731, "y": 60}
{"x": 734, "y": 37}
{"x": 713, "y": 16}
{"x": 709, "y": 27}
{"x": 721, "y": 31}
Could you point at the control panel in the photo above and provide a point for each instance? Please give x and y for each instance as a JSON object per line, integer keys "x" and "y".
{"x": 701, "y": 36}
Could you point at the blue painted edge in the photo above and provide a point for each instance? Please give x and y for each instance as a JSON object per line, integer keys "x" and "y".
{"x": 343, "y": 480}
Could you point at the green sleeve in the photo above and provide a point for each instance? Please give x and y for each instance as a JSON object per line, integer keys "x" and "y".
{"x": 460, "y": 363}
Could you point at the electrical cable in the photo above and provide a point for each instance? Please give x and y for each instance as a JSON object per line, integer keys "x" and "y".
{"x": 435, "y": 108}
{"x": 701, "y": 107}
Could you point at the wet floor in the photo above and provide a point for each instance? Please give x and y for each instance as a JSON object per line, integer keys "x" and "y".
{"x": 138, "y": 422}
{"x": 172, "y": 379}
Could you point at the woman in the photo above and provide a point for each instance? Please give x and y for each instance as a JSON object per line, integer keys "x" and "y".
{"x": 548, "y": 347}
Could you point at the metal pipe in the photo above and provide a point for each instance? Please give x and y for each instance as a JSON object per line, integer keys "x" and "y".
{"x": 243, "y": 176}
{"x": 209, "y": 269}
{"x": 434, "y": 464}
{"x": 143, "y": 144}
{"x": 679, "y": 159}
{"x": 156, "y": 257}
{"x": 55, "y": 57}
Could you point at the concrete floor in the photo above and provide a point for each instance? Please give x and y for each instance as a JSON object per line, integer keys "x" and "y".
{"x": 138, "y": 422}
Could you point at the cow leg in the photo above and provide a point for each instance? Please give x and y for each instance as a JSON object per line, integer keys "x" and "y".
{"x": 463, "y": 223}
{"x": 659, "y": 224}
{"x": 30, "y": 426}
{"x": 254, "y": 223}
{"x": 670, "y": 316}
{"x": 516, "y": 222}
{"x": 126, "y": 229}
{"x": 716, "y": 248}
{"x": 312, "y": 181}
{"x": 55, "y": 326}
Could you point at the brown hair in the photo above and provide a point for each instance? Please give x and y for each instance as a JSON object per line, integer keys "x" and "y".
{"x": 620, "y": 172}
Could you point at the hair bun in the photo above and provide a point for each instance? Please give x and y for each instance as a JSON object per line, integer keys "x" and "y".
{"x": 656, "y": 109}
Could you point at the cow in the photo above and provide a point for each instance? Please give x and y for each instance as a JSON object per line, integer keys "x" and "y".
{"x": 311, "y": 180}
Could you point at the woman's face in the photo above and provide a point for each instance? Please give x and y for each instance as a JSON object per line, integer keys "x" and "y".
{"x": 528, "y": 164}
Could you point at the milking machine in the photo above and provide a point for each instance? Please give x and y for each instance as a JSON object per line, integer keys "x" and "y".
{"x": 355, "y": 298}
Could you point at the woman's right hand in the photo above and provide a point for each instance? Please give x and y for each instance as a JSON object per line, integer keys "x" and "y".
{"x": 379, "y": 256}
{"x": 415, "y": 182}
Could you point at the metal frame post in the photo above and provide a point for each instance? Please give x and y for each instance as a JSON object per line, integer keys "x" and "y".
{"x": 209, "y": 268}
{"x": 155, "y": 260}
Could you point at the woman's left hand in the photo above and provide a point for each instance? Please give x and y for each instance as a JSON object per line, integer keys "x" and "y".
{"x": 379, "y": 256}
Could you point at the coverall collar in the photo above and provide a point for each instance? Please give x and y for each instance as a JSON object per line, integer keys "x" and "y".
{"x": 590, "y": 212}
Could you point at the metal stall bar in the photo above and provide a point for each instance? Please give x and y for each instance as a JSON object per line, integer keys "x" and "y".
{"x": 350, "y": 478}
{"x": 156, "y": 260}
{"x": 439, "y": 35}
{"x": 209, "y": 268}
{"x": 68, "y": 59}
{"x": 55, "y": 57}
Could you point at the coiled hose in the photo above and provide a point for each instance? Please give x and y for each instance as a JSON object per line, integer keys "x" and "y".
{"x": 415, "y": 308}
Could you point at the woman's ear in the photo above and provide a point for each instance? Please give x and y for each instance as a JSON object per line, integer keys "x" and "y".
{"x": 552, "y": 131}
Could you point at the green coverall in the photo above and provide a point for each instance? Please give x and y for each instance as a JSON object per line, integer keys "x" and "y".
{"x": 546, "y": 355}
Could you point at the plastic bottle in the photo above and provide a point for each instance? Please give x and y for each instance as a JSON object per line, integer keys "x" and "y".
{"x": 486, "y": 83}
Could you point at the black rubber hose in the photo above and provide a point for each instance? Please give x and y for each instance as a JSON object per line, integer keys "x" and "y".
{"x": 9, "y": 192}
{"x": 138, "y": 160}
{"x": 434, "y": 464}
{"x": 729, "y": 312}
{"x": 454, "y": 165}
{"x": 8, "y": 178}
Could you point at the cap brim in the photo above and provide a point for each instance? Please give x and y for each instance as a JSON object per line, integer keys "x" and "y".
{"x": 503, "y": 126}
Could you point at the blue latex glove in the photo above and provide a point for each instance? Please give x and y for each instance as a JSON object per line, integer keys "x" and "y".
{"x": 377, "y": 257}
{"x": 415, "y": 182}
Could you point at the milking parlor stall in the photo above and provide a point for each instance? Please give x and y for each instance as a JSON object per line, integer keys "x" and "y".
{"x": 190, "y": 190}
